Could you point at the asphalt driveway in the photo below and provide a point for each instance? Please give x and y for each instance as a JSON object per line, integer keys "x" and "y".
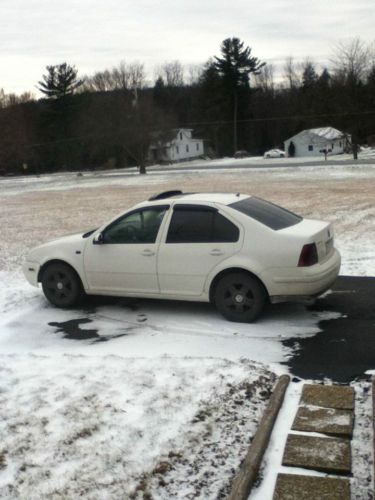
{"x": 345, "y": 347}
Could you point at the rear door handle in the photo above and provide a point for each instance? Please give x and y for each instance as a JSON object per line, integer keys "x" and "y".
{"x": 216, "y": 252}
{"x": 148, "y": 253}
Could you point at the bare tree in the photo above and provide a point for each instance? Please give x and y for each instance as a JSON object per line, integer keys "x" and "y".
{"x": 137, "y": 75}
{"x": 194, "y": 73}
{"x": 13, "y": 99}
{"x": 125, "y": 76}
{"x": 101, "y": 81}
{"x": 351, "y": 60}
{"x": 292, "y": 73}
{"x": 172, "y": 73}
{"x": 265, "y": 79}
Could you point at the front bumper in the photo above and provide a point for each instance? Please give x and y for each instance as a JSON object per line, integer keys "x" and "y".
{"x": 31, "y": 271}
{"x": 302, "y": 282}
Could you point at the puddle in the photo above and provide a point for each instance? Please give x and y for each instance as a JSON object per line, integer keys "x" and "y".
{"x": 71, "y": 330}
{"x": 345, "y": 347}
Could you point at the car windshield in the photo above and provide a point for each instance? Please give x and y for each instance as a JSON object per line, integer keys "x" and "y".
{"x": 267, "y": 213}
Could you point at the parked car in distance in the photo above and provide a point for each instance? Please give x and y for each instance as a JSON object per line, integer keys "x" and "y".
{"x": 242, "y": 153}
{"x": 234, "y": 250}
{"x": 274, "y": 153}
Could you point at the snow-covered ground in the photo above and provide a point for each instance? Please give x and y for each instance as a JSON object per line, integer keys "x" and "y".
{"x": 146, "y": 396}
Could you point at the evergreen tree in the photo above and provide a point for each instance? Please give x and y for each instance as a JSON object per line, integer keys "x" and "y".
{"x": 309, "y": 76}
{"x": 235, "y": 66}
{"x": 60, "y": 81}
{"x": 324, "y": 79}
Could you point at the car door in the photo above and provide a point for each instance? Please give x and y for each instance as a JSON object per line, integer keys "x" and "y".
{"x": 198, "y": 239}
{"x": 123, "y": 257}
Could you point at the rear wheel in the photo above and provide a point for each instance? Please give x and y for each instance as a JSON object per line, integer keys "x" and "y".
{"x": 239, "y": 297}
{"x": 61, "y": 285}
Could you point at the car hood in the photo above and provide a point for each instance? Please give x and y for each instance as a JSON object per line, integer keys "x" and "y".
{"x": 72, "y": 240}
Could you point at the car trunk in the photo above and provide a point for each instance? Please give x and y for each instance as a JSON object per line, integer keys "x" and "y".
{"x": 312, "y": 231}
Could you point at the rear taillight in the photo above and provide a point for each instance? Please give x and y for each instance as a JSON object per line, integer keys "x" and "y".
{"x": 309, "y": 255}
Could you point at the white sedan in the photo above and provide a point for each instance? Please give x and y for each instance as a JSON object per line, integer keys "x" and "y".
{"x": 235, "y": 250}
{"x": 274, "y": 153}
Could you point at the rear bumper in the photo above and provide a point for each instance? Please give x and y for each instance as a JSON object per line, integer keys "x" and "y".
{"x": 31, "y": 271}
{"x": 302, "y": 283}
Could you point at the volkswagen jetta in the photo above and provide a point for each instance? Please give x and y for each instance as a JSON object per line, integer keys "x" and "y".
{"x": 235, "y": 250}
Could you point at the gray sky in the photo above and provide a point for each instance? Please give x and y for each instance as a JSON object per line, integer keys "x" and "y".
{"x": 95, "y": 34}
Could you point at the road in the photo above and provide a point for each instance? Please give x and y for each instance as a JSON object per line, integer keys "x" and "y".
{"x": 247, "y": 163}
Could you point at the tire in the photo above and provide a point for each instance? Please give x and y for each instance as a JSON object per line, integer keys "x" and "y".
{"x": 61, "y": 285}
{"x": 239, "y": 297}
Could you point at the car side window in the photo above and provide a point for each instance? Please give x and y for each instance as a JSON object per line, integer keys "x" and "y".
{"x": 141, "y": 226}
{"x": 200, "y": 225}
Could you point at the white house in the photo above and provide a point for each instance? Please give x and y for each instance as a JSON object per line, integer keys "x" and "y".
{"x": 311, "y": 142}
{"x": 175, "y": 145}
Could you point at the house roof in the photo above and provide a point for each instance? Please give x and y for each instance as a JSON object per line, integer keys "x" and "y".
{"x": 326, "y": 133}
{"x": 162, "y": 138}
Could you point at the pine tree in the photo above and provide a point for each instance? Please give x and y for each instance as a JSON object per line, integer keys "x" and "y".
{"x": 309, "y": 76}
{"x": 60, "y": 81}
{"x": 235, "y": 66}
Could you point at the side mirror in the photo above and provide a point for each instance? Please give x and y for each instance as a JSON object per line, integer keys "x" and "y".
{"x": 98, "y": 239}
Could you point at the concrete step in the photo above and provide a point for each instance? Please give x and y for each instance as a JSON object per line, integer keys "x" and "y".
{"x": 328, "y": 396}
{"x": 331, "y": 455}
{"x": 298, "y": 487}
{"x": 324, "y": 420}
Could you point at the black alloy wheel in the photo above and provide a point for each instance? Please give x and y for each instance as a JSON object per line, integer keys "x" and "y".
{"x": 240, "y": 297}
{"x": 61, "y": 285}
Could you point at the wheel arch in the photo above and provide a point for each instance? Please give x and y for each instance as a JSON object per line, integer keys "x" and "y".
{"x": 58, "y": 261}
{"x": 231, "y": 270}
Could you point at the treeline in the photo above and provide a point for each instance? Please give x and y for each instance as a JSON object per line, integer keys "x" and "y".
{"x": 235, "y": 102}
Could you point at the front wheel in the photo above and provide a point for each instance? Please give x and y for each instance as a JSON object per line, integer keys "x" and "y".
{"x": 239, "y": 297}
{"x": 61, "y": 285}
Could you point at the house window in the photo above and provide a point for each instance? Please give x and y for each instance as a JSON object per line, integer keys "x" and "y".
{"x": 311, "y": 148}
{"x": 197, "y": 146}
{"x": 333, "y": 145}
{"x": 340, "y": 144}
{"x": 177, "y": 150}
{"x": 187, "y": 148}
{"x": 180, "y": 136}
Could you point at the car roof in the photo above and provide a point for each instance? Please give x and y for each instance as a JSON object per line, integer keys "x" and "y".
{"x": 196, "y": 198}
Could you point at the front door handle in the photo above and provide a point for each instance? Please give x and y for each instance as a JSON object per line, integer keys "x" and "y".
{"x": 148, "y": 253}
{"x": 216, "y": 252}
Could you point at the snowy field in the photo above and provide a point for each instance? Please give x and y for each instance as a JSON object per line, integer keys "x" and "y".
{"x": 134, "y": 397}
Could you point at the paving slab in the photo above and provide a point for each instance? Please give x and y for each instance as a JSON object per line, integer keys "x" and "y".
{"x": 330, "y": 455}
{"x": 298, "y": 487}
{"x": 328, "y": 396}
{"x": 325, "y": 420}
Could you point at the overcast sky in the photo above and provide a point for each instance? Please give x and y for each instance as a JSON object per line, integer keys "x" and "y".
{"x": 95, "y": 34}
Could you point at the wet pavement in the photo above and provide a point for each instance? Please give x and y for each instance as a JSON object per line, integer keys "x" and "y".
{"x": 345, "y": 347}
{"x": 342, "y": 351}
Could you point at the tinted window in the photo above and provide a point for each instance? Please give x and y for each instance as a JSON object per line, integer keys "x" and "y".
{"x": 267, "y": 213}
{"x": 224, "y": 230}
{"x": 200, "y": 225}
{"x": 141, "y": 226}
